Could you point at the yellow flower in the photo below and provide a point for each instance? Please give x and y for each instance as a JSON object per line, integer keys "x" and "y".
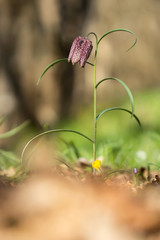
{"x": 96, "y": 164}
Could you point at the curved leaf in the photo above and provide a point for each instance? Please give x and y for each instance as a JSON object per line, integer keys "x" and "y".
{"x": 121, "y": 109}
{"x": 49, "y": 66}
{"x": 14, "y": 131}
{"x": 2, "y": 119}
{"x": 154, "y": 164}
{"x": 52, "y": 131}
{"x": 93, "y": 33}
{"x": 120, "y": 30}
{"x": 124, "y": 85}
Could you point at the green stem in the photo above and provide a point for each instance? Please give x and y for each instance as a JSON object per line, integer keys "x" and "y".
{"x": 95, "y": 106}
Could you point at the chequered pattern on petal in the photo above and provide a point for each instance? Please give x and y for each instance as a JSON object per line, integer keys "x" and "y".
{"x": 86, "y": 51}
{"x": 80, "y": 51}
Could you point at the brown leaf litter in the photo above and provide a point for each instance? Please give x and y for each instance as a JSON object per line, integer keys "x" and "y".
{"x": 50, "y": 206}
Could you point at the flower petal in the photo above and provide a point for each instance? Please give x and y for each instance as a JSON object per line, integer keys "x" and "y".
{"x": 73, "y": 47}
{"x": 80, "y": 51}
{"x": 85, "y": 53}
{"x": 96, "y": 164}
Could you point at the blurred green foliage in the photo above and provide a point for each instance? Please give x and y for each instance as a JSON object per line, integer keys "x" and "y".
{"x": 8, "y": 159}
{"x": 120, "y": 140}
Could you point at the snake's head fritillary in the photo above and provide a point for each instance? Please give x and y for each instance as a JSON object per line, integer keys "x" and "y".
{"x": 80, "y": 51}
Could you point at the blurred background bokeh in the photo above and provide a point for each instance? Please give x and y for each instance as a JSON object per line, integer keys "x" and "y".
{"x": 34, "y": 33}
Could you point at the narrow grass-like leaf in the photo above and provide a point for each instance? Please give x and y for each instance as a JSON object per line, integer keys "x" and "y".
{"x": 124, "y": 85}
{"x": 93, "y": 33}
{"x": 121, "y": 109}
{"x": 14, "y": 131}
{"x": 49, "y": 66}
{"x": 2, "y": 119}
{"x": 120, "y": 30}
{"x": 90, "y": 64}
{"x": 71, "y": 145}
{"x": 8, "y": 159}
{"x": 52, "y": 131}
{"x": 154, "y": 164}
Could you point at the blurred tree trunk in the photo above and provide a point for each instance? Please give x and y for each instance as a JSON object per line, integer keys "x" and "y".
{"x": 8, "y": 47}
{"x": 73, "y": 16}
{"x": 22, "y": 18}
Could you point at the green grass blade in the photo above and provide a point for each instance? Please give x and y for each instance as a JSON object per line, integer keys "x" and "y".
{"x": 14, "y": 131}
{"x": 124, "y": 85}
{"x": 71, "y": 145}
{"x": 121, "y": 109}
{"x": 120, "y": 30}
{"x": 2, "y": 119}
{"x": 49, "y": 66}
{"x": 52, "y": 131}
{"x": 154, "y": 164}
{"x": 8, "y": 159}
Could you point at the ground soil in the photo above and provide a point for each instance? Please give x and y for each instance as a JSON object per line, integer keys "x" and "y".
{"x": 72, "y": 204}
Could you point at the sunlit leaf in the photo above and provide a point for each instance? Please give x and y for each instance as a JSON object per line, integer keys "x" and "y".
{"x": 121, "y": 109}
{"x": 52, "y": 131}
{"x": 124, "y": 85}
{"x": 8, "y": 159}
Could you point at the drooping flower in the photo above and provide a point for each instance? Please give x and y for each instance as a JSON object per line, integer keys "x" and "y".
{"x": 96, "y": 164}
{"x": 80, "y": 51}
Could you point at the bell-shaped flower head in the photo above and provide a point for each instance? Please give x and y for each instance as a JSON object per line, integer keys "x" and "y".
{"x": 80, "y": 51}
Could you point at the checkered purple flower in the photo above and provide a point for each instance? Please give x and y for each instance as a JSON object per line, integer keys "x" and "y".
{"x": 80, "y": 51}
